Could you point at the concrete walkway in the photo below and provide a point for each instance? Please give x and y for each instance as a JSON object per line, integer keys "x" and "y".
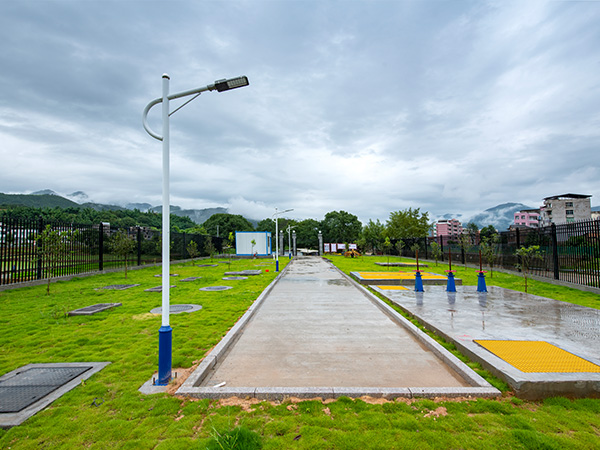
{"x": 316, "y": 330}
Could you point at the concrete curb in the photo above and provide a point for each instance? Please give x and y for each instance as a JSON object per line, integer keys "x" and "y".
{"x": 189, "y": 386}
{"x": 480, "y": 387}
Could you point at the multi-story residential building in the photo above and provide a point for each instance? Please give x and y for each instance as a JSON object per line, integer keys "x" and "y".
{"x": 450, "y": 227}
{"x": 527, "y": 217}
{"x": 565, "y": 208}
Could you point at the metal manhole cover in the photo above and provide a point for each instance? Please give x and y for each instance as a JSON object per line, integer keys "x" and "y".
{"x": 28, "y": 386}
{"x": 216, "y": 288}
{"x": 157, "y": 289}
{"x": 178, "y": 309}
{"x": 119, "y": 287}
{"x": 190, "y": 279}
{"x": 235, "y": 278}
{"x": 89, "y": 310}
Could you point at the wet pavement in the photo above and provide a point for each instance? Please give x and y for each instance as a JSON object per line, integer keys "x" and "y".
{"x": 315, "y": 332}
{"x": 501, "y": 314}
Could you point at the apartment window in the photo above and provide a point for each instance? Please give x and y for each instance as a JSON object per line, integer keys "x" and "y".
{"x": 569, "y": 212}
{"x": 569, "y": 204}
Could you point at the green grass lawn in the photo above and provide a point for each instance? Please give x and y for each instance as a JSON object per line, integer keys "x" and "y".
{"x": 107, "y": 411}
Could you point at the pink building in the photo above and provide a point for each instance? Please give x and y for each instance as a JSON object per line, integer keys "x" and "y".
{"x": 528, "y": 218}
{"x": 450, "y": 227}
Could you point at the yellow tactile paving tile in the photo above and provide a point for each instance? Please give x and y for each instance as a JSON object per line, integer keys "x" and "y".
{"x": 399, "y": 276}
{"x": 393, "y": 288}
{"x": 537, "y": 356}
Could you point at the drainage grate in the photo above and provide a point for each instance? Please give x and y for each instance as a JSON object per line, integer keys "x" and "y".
{"x": 216, "y": 288}
{"x": 245, "y": 272}
{"x": 89, "y": 310}
{"x": 119, "y": 287}
{"x": 177, "y": 309}
{"x": 29, "y": 386}
{"x": 156, "y": 289}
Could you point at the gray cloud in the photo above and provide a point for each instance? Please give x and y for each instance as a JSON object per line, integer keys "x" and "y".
{"x": 369, "y": 107}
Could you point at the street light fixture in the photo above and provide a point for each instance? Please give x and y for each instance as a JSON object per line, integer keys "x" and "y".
{"x": 289, "y": 231}
{"x": 165, "y": 331}
{"x": 277, "y": 237}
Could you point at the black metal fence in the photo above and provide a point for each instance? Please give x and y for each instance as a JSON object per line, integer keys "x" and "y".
{"x": 569, "y": 252}
{"x": 88, "y": 250}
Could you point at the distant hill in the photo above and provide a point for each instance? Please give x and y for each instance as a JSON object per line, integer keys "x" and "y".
{"x": 197, "y": 215}
{"x": 501, "y": 216}
{"x": 42, "y": 200}
{"x": 49, "y": 199}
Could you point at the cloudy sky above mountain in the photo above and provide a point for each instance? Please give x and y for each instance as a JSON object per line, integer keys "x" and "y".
{"x": 364, "y": 106}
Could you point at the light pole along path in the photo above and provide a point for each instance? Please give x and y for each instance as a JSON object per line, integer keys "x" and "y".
{"x": 165, "y": 338}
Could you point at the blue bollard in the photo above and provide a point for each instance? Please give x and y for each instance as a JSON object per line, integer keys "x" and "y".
{"x": 165, "y": 341}
{"x": 277, "y": 266}
{"x": 481, "y": 287}
{"x": 450, "y": 286}
{"x": 418, "y": 282}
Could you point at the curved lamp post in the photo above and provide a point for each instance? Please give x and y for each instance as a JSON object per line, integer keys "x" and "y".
{"x": 164, "y": 333}
{"x": 277, "y": 237}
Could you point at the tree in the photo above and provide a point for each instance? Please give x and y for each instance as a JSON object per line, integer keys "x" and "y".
{"x": 527, "y": 255}
{"x": 489, "y": 250}
{"x": 473, "y": 231}
{"x": 399, "y": 246}
{"x": 387, "y": 244}
{"x": 464, "y": 242}
{"x": 209, "y": 247}
{"x": 340, "y": 226}
{"x": 253, "y": 242}
{"x": 373, "y": 235}
{"x": 488, "y": 232}
{"x": 53, "y": 248}
{"x": 409, "y": 223}
{"x": 307, "y": 233}
{"x": 227, "y": 223}
{"x": 122, "y": 246}
{"x": 436, "y": 251}
{"x": 192, "y": 249}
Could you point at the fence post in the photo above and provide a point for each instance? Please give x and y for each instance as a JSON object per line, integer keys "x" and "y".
{"x": 37, "y": 248}
{"x": 101, "y": 247}
{"x": 139, "y": 246}
{"x": 555, "y": 252}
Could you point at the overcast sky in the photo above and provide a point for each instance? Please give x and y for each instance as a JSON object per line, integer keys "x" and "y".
{"x": 363, "y": 106}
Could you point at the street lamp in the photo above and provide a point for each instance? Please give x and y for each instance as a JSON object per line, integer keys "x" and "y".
{"x": 165, "y": 331}
{"x": 289, "y": 231}
{"x": 277, "y": 237}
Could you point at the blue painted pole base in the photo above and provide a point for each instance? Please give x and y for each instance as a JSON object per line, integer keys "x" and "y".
{"x": 481, "y": 287}
{"x": 165, "y": 346}
{"x": 277, "y": 266}
{"x": 450, "y": 286}
{"x": 418, "y": 282}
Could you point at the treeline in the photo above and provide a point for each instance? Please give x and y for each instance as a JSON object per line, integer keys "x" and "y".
{"x": 88, "y": 216}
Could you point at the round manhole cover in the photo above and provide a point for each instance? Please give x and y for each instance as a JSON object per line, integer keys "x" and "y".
{"x": 235, "y": 278}
{"x": 177, "y": 309}
{"x": 215, "y": 288}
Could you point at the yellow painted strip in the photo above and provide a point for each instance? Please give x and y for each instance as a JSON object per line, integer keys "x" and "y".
{"x": 538, "y": 356}
{"x": 393, "y": 288}
{"x": 399, "y": 276}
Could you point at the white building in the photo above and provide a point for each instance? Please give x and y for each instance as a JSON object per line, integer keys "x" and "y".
{"x": 565, "y": 208}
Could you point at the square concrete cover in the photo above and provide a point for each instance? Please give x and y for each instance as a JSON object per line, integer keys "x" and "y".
{"x": 29, "y": 389}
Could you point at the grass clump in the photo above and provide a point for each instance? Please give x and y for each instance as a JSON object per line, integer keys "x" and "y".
{"x": 240, "y": 438}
